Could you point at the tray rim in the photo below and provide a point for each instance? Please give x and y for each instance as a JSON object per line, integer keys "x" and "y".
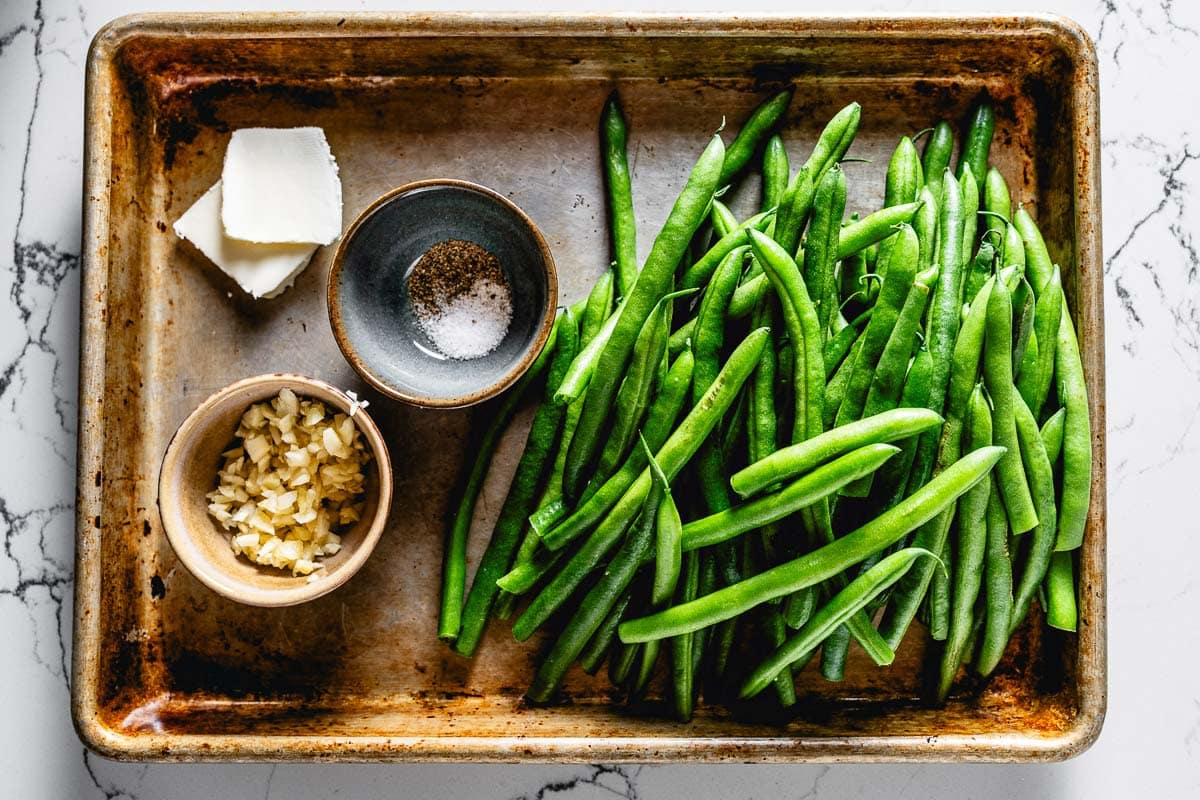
{"x": 1000, "y": 747}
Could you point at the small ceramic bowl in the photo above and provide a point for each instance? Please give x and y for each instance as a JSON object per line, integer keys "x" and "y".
{"x": 374, "y": 322}
{"x": 189, "y": 472}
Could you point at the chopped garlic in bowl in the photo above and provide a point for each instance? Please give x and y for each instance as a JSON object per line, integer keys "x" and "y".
{"x": 293, "y": 480}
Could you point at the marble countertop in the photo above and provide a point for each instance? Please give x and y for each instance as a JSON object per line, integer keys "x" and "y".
{"x": 1150, "y": 745}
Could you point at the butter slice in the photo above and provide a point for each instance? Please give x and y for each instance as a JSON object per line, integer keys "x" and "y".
{"x": 262, "y": 270}
{"x": 281, "y": 185}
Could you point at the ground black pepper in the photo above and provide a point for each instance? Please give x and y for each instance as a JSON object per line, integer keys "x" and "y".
{"x": 449, "y": 270}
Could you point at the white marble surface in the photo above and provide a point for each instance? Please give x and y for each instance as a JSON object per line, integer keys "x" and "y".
{"x": 1151, "y": 165}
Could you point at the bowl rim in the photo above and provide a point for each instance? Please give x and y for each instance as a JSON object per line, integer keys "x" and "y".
{"x": 200, "y": 567}
{"x": 333, "y": 299}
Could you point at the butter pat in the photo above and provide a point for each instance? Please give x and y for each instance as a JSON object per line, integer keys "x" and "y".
{"x": 262, "y": 270}
{"x": 281, "y": 185}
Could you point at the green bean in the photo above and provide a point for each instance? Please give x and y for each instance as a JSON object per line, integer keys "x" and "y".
{"x": 806, "y": 334}
{"x": 652, "y": 283}
{"x": 597, "y": 309}
{"x": 793, "y": 210}
{"x": 668, "y": 537}
{"x": 1041, "y": 479}
{"x": 834, "y": 652}
{"x": 947, "y": 299}
{"x": 1061, "y": 612}
{"x": 1047, "y": 318}
{"x": 889, "y": 484}
{"x": 600, "y": 599}
{"x": 925, "y": 223}
{"x": 775, "y": 633}
{"x": 969, "y": 550}
{"x": 838, "y": 348}
{"x": 672, "y": 457}
{"x": 775, "y": 172}
{"x": 998, "y": 587}
{"x": 849, "y": 601}
{"x": 996, "y": 200}
{"x": 904, "y": 176}
{"x": 936, "y": 159}
{"x": 682, "y": 647}
{"x": 734, "y": 434}
{"x": 999, "y": 378}
{"x": 970, "y": 199}
{"x": 963, "y": 369}
{"x": 981, "y": 269}
{"x": 613, "y": 143}
{"x": 820, "y": 482}
{"x": 834, "y": 141}
{"x": 454, "y": 558}
{"x": 965, "y": 361}
{"x": 799, "y": 606}
{"x": 835, "y": 390}
{"x": 668, "y": 559}
{"x": 646, "y": 663}
{"x": 1052, "y": 434}
{"x": 1022, "y": 324}
{"x": 978, "y": 142}
{"x": 521, "y": 496}
{"x": 1013, "y": 250}
{"x": 579, "y": 375}
{"x": 857, "y": 289}
{"x": 723, "y": 220}
{"x": 937, "y": 604}
{"x": 700, "y": 272}
{"x": 798, "y": 459}
{"x": 997, "y": 371}
{"x": 525, "y": 574}
{"x": 1038, "y": 264}
{"x": 762, "y": 429}
{"x": 944, "y": 312}
{"x": 760, "y": 123}
{"x": 672, "y": 395}
{"x": 551, "y": 508}
{"x": 1026, "y": 373}
{"x": 549, "y": 513}
{"x": 1077, "y": 436}
{"x": 873, "y": 228}
{"x": 633, "y": 398}
{"x": 800, "y": 318}
{"x": 902, "y": 269}
{"x": 762, "y": 440}
{"x": 821, "y": 564}
{"x": 888, "y": 380}
{"x": 747, "y": 295}
{"x": 707, "y": 342}
{"x": 620, "y": 662}
{"x": 597, "y": 648}
{"x": 681, "y": 339}
{"x": 821, "y": 248}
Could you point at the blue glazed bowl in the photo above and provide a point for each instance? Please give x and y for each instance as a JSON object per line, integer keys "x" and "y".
{"x": 373, "y": 319}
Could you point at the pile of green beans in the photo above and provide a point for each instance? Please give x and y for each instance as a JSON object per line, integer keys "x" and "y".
{"x": 793, "y": 428}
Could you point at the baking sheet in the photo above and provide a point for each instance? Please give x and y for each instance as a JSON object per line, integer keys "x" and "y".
{"x": 164, "y": 669}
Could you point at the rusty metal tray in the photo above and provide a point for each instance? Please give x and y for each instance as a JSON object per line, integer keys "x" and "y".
{"x": 165, "y": 669}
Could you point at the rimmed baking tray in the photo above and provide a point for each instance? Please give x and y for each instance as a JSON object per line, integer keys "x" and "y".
{"x": 164, "y": 669}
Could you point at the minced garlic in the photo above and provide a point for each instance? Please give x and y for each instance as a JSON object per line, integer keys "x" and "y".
{"x": 293, "y": 478}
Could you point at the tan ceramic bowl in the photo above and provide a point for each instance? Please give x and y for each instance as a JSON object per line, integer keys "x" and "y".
{"x": 189, "y": 472}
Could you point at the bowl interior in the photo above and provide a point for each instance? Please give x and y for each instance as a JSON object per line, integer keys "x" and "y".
{"x": 370, "y": 302}
{"x": 189, "y": 473}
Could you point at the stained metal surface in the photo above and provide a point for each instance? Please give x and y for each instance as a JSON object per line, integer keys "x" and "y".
{"x": 165, "y": 669}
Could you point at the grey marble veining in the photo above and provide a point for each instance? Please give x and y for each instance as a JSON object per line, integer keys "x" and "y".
{"x": 1151, "y": 174}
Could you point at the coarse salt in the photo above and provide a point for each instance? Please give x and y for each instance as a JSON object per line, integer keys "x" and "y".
{"x": 472, "y": 324}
